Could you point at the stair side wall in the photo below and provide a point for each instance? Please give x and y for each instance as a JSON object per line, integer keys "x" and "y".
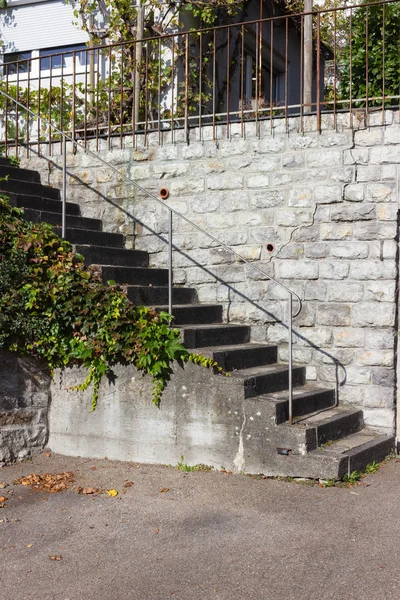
{"x": 202, "y": 417}
{"x": 327, "y": 203}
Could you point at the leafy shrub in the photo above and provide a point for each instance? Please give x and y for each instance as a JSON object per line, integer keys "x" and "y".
{"x": 54, "y": 308}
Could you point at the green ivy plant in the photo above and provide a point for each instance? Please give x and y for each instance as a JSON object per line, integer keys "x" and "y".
{"x": 54, "y": 308}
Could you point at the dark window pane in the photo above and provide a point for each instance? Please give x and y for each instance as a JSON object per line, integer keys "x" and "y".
{"x": 53, "y": 57}
{"x": 11, "y": 66}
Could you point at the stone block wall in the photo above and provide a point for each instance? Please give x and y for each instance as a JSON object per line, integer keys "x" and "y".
{"x": 24, "y": 402}
{"x": 318, "y": 211}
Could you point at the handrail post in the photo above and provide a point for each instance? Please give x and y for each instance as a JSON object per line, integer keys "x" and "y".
{"x": 170, "y": 262}
{"x": 290, "y": 361}
{"x": 64, "y": 187}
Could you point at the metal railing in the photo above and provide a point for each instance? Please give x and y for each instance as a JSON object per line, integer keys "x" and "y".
{"x": 257, "y": 70}
{"x": 172, "y": 212}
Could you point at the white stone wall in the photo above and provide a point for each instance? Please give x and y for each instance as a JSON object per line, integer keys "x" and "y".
{"x": 327, "y": 202}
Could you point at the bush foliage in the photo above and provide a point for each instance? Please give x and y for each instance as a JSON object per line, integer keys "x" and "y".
{"x": 54, "y": 308}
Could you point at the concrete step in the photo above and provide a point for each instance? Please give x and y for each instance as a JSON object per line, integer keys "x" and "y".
{"x": 354, "y": 452}
{"x": 258, "y": 381}
{"x": 307, "y": 400}
{"x": 134, "y": 275}
{"x": 96, "y": 238}
{"x": 46, "y": 204}
{"x": 194, "y": 313}
{"x": 98, "y": 255}
{"x": 242, "y": 356}
{"x": 29, "y": 187}
{"x": 200, "y": 336}
{"x": 156, "y": 295}
{"x": 326, "y": 427}
{"x": 72, "y": 221}
{"x": 17, "y": 174}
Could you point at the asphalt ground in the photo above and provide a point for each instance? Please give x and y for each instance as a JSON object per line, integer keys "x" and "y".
{"x": 201, "y": 535}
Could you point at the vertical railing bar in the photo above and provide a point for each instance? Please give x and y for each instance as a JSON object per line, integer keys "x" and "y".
{"x": 172, "y": 88}
{"x": 109, "y": 100}
{"x": 366, "y": 66}
{"x": 97, "y": 100}
{"x": 62, "y": 103}
{"x": 146, "y": 93}
{"x": 121, "y": 101}
{"x": 228, "y": 82}
{"x": 39, "y": 102}
{"x": 73, "y": 94}
{"x": 170, "y": 274}
{"x": 290, "y": 374}
{"x": 271, "y": 77}
{"x": 258, "y": 25}
{"x": 383, "y": 64}
{"x": 17, "y": 113}
{"x": 301, "y": 71}
{"x": 242, "y": 78}
{"x": 286, "y": 72}
{"x": 50, "y": 91}
{"x": 351, "y": 68}
{"x": 319, "y": 72}
{"x": 64, "y": 186}
{"x": 133, "y": 79}
{"x": 28, "y": 97}
{"x": 159, "y": 91}
{"x": 85, "y": 101}
{"x": 200, "y": 84}
{"x": 214, "y": 84}
{"x": 187, "y": 88}
{"x": 334, "y": 71}
{"x": 6, "y": 112}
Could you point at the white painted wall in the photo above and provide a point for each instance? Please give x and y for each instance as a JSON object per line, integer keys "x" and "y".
{"x": 39, "y": 25}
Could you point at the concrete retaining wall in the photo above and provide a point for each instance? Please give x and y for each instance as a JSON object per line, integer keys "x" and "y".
{"x": 328, "y": 204}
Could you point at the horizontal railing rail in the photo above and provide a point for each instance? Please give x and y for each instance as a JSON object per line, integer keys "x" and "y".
{"x": 293, "y": 64}
{"x": 172, "y": 212}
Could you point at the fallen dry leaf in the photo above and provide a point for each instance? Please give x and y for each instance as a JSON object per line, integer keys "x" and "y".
{"x": 128, "y": 484}
{"x": 92, "y": 468}
{"x": 48, "y": 454}
{"x": 3, "y": 485}
{"x": 28, "y": 545}
{"x": 48, "y": 482}
{"x": 59, "y": 557}
{"x": 3, "y": 499}
{"x": 157, "y": 531}
{"x": 112, "y": 493}
{"x": 88, "y": 490}
{"x": 164, "y": 490}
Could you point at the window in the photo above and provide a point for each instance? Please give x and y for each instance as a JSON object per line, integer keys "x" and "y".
{"x": 63, "y": 60}
{"x": 13, "y": 63}
{"x": 262, "y": 87}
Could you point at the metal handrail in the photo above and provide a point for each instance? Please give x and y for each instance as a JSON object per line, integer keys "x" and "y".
{"x": 172, "y": 212}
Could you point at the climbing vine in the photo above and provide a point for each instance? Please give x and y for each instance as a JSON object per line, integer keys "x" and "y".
{"x": 54, "y": 308}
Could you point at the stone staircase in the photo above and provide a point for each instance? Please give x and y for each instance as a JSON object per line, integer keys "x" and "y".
{"x": 325, "y": 441}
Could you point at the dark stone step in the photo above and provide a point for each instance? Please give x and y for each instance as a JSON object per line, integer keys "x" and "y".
{"x": 243, "y": 356}
{"x": 306, "y": 400}
{"x": 97, "y": 255}
{"x": 97, "y": 238}
{"x": 17, "y": 174}
{"x": 271, "y": 378}
{"x": 215, "y": 335}
{"x": 325, "y": 427}
{"x": 373, "y": 450}
{"x": 155, "y": 295}
{"x": 133, "y": 275}
{"x": 46, "y": 204}
{"x": 24, "y": 187}
{"x": 194, "y": 313}
{"x": 72, "y": 221}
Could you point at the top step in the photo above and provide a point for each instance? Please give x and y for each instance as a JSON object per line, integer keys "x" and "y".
{"x": 17, "y": 174}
